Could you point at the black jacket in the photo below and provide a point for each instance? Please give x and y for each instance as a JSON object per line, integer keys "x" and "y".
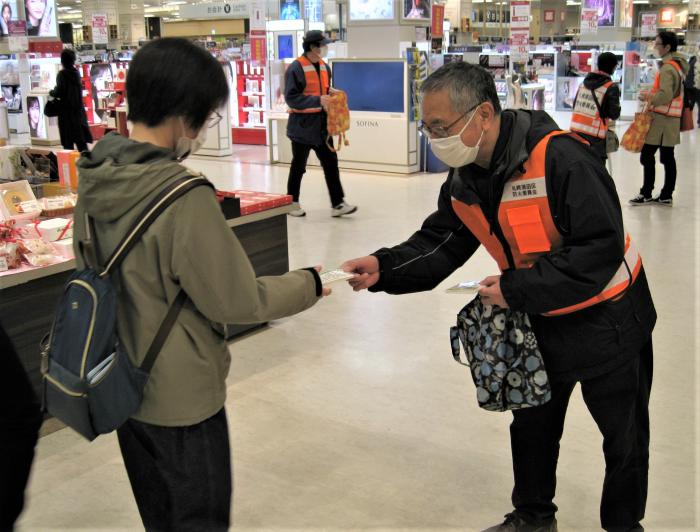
{"x": 609, "y": 107}
{"x": 72, "y": 120}
{"x": 305, "y": 128}
{"x": 586, "y": 210}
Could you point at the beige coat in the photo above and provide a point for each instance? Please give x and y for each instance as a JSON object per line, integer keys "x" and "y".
{"x": 666, "y": 130}
{"x": 189, "y": 246}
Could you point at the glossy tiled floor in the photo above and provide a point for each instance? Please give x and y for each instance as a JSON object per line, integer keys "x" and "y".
{"x": 353, "y": 415}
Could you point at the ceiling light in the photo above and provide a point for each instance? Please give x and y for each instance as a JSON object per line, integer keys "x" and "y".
{"x": 643, "y": 2}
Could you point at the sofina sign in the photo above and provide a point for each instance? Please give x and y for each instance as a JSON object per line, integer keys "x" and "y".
{"x": 228, "y": 9}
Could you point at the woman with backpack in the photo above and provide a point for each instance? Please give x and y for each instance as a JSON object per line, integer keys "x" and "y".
{"x": 176, "y": 446}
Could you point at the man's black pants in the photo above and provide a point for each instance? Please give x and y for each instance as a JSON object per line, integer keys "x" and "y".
{"x": 619, "y": 404}
{"x": 20, "y": 419}
{"x": 329, "y": 163}
{"x": 180, "y": 476}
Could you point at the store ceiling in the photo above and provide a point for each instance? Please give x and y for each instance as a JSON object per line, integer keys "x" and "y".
{"x": 70, "y": 10}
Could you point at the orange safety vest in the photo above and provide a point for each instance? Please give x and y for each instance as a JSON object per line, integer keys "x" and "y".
{"x": 675, "y": 108}
{"x": 525, "y": 218}
{"x": 586, "y": 116}
{"x": 317, "y": 84}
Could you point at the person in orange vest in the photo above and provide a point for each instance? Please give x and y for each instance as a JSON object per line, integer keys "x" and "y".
{"x": 666, "y": 103}
{"x": 545, "y": 208}
{"x": 306, "y": 86}
{"x": 597, "y": 102}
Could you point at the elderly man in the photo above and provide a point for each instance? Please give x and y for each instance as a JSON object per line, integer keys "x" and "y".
{"x": 545, "y": 208}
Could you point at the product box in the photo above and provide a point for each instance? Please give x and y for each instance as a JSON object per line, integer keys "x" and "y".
{"x": 67, "y": 168}
{"x": 55, "y": 229}
{"x": 64, "y": 248}
{"x": 18, "y": 201}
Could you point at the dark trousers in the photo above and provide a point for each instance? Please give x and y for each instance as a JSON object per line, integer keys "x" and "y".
{"x": 180, "y": 476}
{"x": 329, "y": 163}
{"x": 20, "y": 419}
{"x": 619, "y": 404}
{"x": 80, "y": 145}
{"x": 648, "y": 161}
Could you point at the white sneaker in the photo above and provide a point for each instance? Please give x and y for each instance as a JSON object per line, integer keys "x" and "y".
{"x": 343, "y": 209}
{"x": 640, "y": 200}
{"x": 298, "y": 212}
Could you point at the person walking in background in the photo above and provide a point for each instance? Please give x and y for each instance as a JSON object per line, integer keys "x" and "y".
{"x": 20, "y": 420}
{"x": 666, "y": 105}
{"x": 692, "y": 94}
{"x": 72, "y": 120}
{"x": 176, "y": 447}
{"x": 306, "y": 87}
{"x": 597, "y": 103}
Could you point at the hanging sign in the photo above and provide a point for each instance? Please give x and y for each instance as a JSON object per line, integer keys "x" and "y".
{"x": 519, "y": 31}
{"x": 649, "y": 24}
{"x": 100, "y": 28}
{"x": 589, "y": 21}
{"x": 437, "y": 21}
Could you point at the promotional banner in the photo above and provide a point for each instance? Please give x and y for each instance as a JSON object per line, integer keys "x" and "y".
{"x": 258, "y": 47}
{"x": 437, "y": 24}
{"x": 605, "y": 11}
{"x": 100, "y": 28}
{"x": 519, "y": 31}
{"x": 649, "y": 24}
{"x": 313, "y": 10}
{"x": 371, "y": 9}
{"x": 589, "y": 21}
{"x": 10, "y": 15}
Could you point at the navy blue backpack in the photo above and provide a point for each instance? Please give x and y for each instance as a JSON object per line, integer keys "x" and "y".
{"x": 89, "y": 380}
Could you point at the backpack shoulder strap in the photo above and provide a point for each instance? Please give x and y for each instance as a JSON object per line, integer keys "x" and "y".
{"x": 162, "y": 201}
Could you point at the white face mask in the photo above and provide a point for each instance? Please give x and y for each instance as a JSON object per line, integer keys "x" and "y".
{"x": 323, "y": 51}
{"x": 453, "y": 152}
{"x": 186, "y": 146}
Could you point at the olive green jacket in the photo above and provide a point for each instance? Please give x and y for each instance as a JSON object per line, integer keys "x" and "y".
{"x": 666, "y": 130}
{"x": 191, "y": 247}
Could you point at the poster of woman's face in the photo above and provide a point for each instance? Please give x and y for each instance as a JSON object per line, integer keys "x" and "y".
{"x": 606, "y": 11}
{"x": 35, "y": 112}
{"x": 8, "y": 12}
{"x": 416, "y": 9}
{"x": 41, "y": 18}
{"x": 100, "y": 78}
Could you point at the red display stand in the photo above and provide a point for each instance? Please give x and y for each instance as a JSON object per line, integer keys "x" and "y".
{"x": 250, "y": 95}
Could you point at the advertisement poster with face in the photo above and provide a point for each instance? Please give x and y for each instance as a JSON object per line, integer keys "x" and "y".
{"x": 416, "y": 9}
{"x": 100, "y": 79}
{"x": 41, "y": 18}
{"x": 566, "y": 92}
{"x": 371, "y": 9}
{"x": 606, "y": 11}
{"x": 35, "y": 112}
{"x": 289, "y": 10}
{"x": 9, "y": 12}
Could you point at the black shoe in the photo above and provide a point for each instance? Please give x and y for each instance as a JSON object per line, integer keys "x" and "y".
{"x": 666, "y": 202}
{"x": 640, "y": 200}
{"x": 515, "y": 523}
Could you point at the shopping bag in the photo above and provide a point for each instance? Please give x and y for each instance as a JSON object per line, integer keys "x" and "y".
{"x": 635, "y": 136}
{"x": 687, "y": 123}
{"x": 338, "y": 121}
{"x": 503, "y": 355}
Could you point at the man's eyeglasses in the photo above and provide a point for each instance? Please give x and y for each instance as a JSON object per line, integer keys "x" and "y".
{"x": 214, "y": 120}
{"x": 441, "y": 132}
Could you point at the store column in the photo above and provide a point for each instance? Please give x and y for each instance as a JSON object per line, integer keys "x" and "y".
{"x": 132, "y": 27}
{"x": 108, "y": 8}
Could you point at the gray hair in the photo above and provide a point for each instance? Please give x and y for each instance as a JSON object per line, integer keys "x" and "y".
{"x": 468, "y": 85}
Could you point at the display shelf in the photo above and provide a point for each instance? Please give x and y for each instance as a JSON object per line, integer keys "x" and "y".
{"x": 249, "y": 109}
